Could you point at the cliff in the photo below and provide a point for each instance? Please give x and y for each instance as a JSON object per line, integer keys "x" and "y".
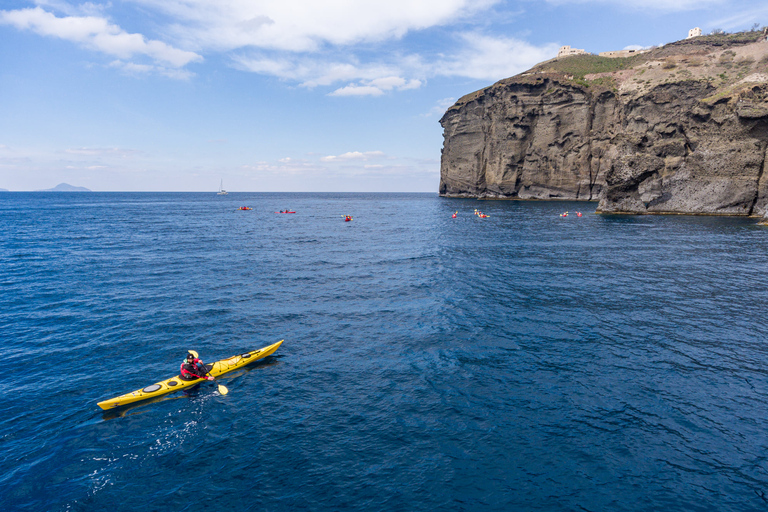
{"x": 678, "y": 129}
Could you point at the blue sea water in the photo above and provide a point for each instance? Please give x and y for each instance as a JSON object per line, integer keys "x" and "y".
{"x": 524, "y": 361}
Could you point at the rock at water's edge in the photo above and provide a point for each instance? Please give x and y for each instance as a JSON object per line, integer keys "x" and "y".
{"x": 680, "y": 143}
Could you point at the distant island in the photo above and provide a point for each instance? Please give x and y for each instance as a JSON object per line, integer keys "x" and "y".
{"x": 4, "y": 190}
{"x": 65, "y": 187}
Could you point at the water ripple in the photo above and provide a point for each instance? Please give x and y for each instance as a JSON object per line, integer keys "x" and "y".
{"x": 518, "y": 362}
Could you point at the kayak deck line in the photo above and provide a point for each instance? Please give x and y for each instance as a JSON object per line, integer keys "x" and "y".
{"x": 176, "y": 383}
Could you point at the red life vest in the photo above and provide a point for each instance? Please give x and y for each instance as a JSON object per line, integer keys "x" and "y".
{"x": 190, "y": 370}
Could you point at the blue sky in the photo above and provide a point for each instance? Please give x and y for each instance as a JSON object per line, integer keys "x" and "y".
{"x": 281, "y": 95}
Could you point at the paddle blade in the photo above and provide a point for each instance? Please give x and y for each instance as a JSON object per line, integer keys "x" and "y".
{"x": 223, "y": 389}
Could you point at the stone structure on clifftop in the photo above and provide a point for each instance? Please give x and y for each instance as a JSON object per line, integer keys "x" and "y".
{"x": 679, "y": 129}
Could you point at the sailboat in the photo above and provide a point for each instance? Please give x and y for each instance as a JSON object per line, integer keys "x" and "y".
{"x": 222, "y": 192}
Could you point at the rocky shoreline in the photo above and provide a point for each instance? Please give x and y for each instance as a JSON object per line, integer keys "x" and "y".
{"x": 681, "y": 129}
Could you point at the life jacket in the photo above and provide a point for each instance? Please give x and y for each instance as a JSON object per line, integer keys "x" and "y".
{"x": 190, "y": 371}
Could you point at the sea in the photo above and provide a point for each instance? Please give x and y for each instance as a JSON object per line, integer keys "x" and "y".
{"x": 523, "y": 361}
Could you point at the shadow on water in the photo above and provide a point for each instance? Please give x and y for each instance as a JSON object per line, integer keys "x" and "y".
{"x": 126, "y": 410}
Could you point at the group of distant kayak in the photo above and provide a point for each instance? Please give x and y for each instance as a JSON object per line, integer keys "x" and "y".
{"x": 249, "y": 208}
{"x": 477, "y": 212}
{"x": 347, "y": 218}
{"x": 483, "y": 215}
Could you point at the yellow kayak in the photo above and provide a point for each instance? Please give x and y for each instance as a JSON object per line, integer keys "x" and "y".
{"x": 177, "y": 384}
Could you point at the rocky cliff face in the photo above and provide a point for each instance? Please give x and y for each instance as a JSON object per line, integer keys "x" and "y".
{"x": 680, "y": 129}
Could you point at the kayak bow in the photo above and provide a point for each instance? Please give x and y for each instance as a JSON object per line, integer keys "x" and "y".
{"x": 177, "y": 384}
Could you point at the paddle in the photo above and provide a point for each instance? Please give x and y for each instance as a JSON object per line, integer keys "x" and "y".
{"x": 221, "y": 387}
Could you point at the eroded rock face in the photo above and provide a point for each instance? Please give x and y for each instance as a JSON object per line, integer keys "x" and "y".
{"x": 677, "y": 146}
{"x": 679, "y": 154}
{"x": 538, "y": 140}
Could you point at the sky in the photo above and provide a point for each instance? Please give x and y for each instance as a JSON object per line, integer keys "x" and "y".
{"x": 281, "y": 95}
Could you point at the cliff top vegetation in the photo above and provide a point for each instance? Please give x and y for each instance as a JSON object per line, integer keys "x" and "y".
{"x": 728, "y": 62}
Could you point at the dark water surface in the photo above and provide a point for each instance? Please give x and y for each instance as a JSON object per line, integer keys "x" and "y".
{"x": 519, "y": 362}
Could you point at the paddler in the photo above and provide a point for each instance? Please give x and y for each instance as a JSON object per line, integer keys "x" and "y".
{"x": 193, "y": 368}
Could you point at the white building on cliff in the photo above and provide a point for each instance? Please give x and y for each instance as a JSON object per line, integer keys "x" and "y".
{"x": 694, "y": 32}
{"x": 621, "y": 53}
{"x": 565, "y": 51}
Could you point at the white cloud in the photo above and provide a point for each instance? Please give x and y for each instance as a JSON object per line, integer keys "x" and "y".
{"x": 493, "y": 58}
{"x": 349, "y": 46}
{"x": 647, "y": 5}
{"x": 388, "y": 82}
{"x": 353, "y": 155}
{"x": 742, "y": 20}
{"x": 440, "y": 107}
{"x": 304, "y": 41}
{"x": 305, "y": 25}
{"x": 298, "y": 42}
{"x": 372, "y": 79}
{"x": 313, "y": 71}
{"x": 377, "y": 87}
{"x": 293, "y": 168}
{"x": 411, "y": 84}
{"x": 132, "y": 68}
{"x": 101, "y": 152}
{"x": 87, "y": 8}
{"x": 98, "y": 34}
{"x": 476, "y": 56}
{"x": 357, "y": 90}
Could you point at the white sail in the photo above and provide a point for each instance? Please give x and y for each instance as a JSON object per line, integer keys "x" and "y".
{"x": 222, "y": 192}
